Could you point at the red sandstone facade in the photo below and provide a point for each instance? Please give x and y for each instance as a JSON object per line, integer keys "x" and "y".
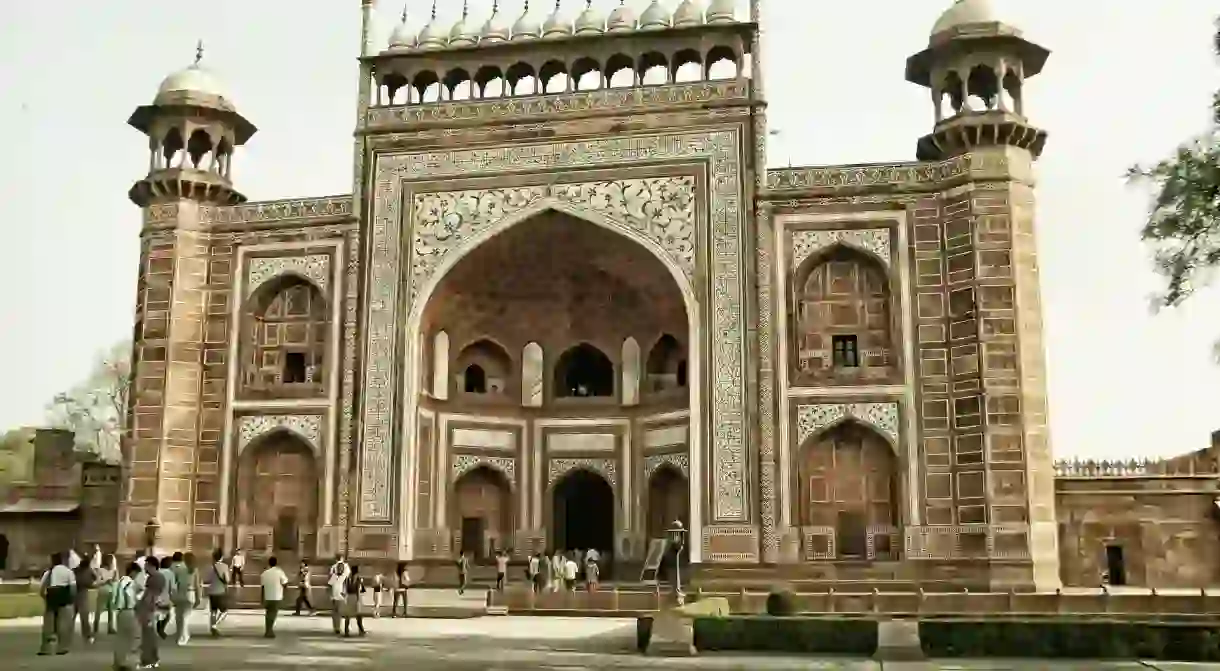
{"x": 566, "y": 305}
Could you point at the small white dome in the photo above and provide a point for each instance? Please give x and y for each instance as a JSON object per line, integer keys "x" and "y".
{"x": 655, "y": 17}
{"x": 497, "y": 28}
{"x": 434, "y": 35}
{"x": 622, "y": 19}
{"x": 590, "y": 21}
{"x": 526, "y": 27}
{"x": 722, "y": 11}
{"x": 195, "y": 83}
{"x": 688, "y": 14}
{"x": 403, "y": 37}
{"x": 465, "y": 32}
{"x": 964, "y": 13}
{"x": 556, "y": 25}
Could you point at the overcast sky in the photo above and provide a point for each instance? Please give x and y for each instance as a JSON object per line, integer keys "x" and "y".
{"x": 1123, "y": 84}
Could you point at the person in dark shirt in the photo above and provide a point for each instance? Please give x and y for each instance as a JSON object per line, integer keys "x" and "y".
{"x": 147, "y": 612}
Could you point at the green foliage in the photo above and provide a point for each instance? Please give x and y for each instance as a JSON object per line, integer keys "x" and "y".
{"x": 16, "y": 456}
{"x": 95, "y": 411}
{"x": 763, "y": 633}
{"x": 781, "y": 602}
{"x": 1183, "y": 224}
{"x": 1074, "y": 638}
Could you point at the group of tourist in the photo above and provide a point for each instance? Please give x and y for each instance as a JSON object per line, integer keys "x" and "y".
{"x": 142, "y": 601}
{"x": 560, "y": 570}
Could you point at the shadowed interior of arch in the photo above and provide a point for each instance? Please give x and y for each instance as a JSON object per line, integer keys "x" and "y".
{"x": 555, "y": 307}
{"x": 278, "y": 489}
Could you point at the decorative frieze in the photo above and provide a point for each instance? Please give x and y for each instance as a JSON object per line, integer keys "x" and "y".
{"x": 313, "y": 267}
{"x": 679, "y": 460}
{"x": 814, "y": 418}
{"x": 557, "y": 468}
{"x": 874, "y": 241}
{"x": 292, "y": 210}
{"x": 306, "y": 427}
{"x": 464, "y": 463}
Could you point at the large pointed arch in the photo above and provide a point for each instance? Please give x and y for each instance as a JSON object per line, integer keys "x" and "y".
{"x": 681, "y": 267}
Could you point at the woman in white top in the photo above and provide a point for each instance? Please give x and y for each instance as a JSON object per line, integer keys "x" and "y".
{"x": 107, "y": 577}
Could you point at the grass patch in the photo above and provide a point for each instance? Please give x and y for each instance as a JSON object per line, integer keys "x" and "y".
{"x": 20, "y": 605}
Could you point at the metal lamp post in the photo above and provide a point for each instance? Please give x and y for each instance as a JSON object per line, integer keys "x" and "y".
{"x": 677, "y": 538}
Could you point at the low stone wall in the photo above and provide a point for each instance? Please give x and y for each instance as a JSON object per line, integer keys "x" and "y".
{"x": 936, "y": 604}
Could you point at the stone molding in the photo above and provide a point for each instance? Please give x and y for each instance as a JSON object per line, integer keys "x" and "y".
{"x": 306, "y": 427}
{"x": 893, "y": 176}
{"x": 464, "y": 463}
{"x": 312, "y": 267}
{"x": 724, "y": 315}
{"x": 815, "y": 418}
{"x": 873, "y": 241}
{"x": 679, "y": 460}
{"x": 290, "y": 210}
{"x": 556, "y": 469}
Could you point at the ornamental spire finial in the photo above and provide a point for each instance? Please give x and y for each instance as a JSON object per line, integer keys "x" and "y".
{"x": 198, "y": 52}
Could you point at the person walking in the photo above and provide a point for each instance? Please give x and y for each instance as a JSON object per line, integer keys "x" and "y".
{"x": 147, "y": 611}
{"x": 58, "y": 590}
{"x": 185, "y": 594}
{"x": 592, "y": 574}
{"x": 273, "y": 582}
{"x": 569, "y": 574}
{"x": 165, "y": 600}
{"x": 463, "y": 567}
{"x": 122, "y": 605}
{"x": 355, "y": 595}
{"x": 402, "y": 582}
{"x": 107, "y": 577}
{"x": 501, "y": 569}
{"x": 557, "y": 563}
{"x": 531, "y": 572}
{"x": 336, "y": 587}
{"x": 239, "y": 564}
{"x": 83, "y": 604}
{"x": 218, "y": 592}
{"x": 378, "y": 585}
{"x": 303, "y": 589}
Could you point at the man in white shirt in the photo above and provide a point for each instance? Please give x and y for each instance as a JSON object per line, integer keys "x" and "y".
{"x": 58, "y": 589}
{"x": 73, "y": 560}
{"x": 569, "y": 574}
{"x": 534, "y": 567}
{"x": 239, "y": 564}
{"x": 501, "y": 569}
{"x": 336, "y": 588}
{"x": 273, "y": 581}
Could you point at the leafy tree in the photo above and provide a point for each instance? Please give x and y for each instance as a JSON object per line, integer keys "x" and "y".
{"x": 96, "y": 410}
{"x": 1184, "y": 222}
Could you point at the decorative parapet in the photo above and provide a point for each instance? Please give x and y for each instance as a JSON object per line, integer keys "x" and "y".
{"x": 326, "y": 208}
{"x": 1181, "y": 466}
{"x": 906, "y": 176}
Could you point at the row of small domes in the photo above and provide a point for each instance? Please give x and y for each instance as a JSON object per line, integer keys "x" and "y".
{"x": 499, "y": 28}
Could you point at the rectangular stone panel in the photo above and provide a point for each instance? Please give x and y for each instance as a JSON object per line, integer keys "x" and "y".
{"x": 666, "y": 436}
{"x": 488, "y": 438}
{"x": 581, "y": 442}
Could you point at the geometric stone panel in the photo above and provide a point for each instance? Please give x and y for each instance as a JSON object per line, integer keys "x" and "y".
{"x": 307, "y": 427}
{"x": 403, "y": 253}
{"x": 557, "y": 468}
{"x": 875, "y": 241}
{"x": 464, "y": 463}
{"x": 815, "y": 418}
{"x": 678, "y": 460}
{"x": 315, "y": 268}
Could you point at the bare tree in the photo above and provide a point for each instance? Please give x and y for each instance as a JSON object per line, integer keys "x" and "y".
{"x": 96, "y": 410}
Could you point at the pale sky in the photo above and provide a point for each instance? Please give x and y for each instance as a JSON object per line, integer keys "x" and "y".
{"x": 1126, "y": 82}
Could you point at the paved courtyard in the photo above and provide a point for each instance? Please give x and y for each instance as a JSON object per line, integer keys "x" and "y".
{"x": 484, "y": 644}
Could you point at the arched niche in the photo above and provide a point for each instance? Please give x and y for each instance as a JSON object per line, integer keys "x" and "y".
{"x": 631, "y": 371}
{"x": 584, "y": 371}
{"x": 284, "y": 338}
{"x": 668, "y": 499}
{"x": 481, "y": 510}
{"x": 847, "y": 486}
{"x": 666, "y": 365}
{"x": 841, "y": 315}
{"x": 278, "y": 488}
{"x": 483, "y": 368}
{"x": 533, "y": 372}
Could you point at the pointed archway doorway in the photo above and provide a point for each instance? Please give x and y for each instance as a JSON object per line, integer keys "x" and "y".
{"x": 668, "y": 501}
{"x": 582, "y": 513}
{"x": 567, "y": 297}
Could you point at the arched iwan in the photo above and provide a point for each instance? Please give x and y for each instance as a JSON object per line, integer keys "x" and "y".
{"x": 465, "y": 463}
{"x": 817, "y": 418}
{"x": 306, "y": 427}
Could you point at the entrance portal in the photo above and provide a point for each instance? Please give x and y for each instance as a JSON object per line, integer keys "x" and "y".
{"x": 582, "y": 513}
{"x": 668, "y": 501}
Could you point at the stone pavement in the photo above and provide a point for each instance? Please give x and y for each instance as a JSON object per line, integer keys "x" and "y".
{"x": 484, "y": 644}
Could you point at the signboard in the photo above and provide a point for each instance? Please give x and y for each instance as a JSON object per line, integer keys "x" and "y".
{"x": 652, "y": 561}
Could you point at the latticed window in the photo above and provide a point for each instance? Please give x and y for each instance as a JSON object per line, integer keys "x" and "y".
{"x": 841, "y": 315}
{"x": 289, "y": 329}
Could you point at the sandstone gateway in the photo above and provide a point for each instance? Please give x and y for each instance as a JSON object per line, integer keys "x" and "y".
{"x": 566, "y": 304}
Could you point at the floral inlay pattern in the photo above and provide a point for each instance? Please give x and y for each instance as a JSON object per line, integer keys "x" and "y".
{"x": 815, "y": 418}
{"x": 662, "y": 208}
{"x": 308, "y": 427}
{"x": 557, "y": 468}
{"x": 464, "y": 463}
{"x": 679, "y": 460}
{"x": 875, "y": 241}
{"x": 262, "y": 269}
